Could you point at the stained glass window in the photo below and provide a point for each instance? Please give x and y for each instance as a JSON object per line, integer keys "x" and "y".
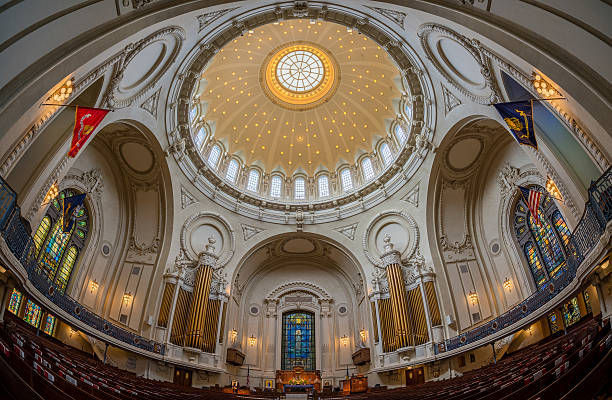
{"x": 32, "y": 313}
{"x": 15, "y": 301}
{"x": 61, "y": 280}
{"x": 57, "y": 251}
{"x": 561, "y": 227}
{"x": 587, "y": 302}
{"x": 41, "y": 233}
{"x": 54, "y": 248}
{"x": 298, "y": 342}
{"x": 549, "y": 238}
{"x": 534, "y": 263}
{"x": 552, "y": 321}
{"x": 49, "y": 324}
{"x": 549, "y": 246}
{"x": 571, "y": 312}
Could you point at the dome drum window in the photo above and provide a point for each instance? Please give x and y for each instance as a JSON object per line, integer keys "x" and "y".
{"x": 299, "y": 186}
{"x": 214, "y": 155}
{"x": 276, "y": 184}
{"x": 253, "y": 181}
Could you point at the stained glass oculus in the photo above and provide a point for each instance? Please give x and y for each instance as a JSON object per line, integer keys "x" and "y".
{"x": 298, "y": 342}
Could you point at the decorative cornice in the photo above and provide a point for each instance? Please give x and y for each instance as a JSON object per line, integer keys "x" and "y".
{"x": 281, "y": 290}
{"x": 182, "y": 146}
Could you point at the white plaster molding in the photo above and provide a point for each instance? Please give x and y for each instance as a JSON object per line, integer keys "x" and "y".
{"x": 249, "y": 231}
{"x": 222, "y": 225}
{"x": 129, "y": 53}
{"x": 187, "y": 198}
{"x": 151, "y": 103}
{"x": 348, "y": 230}
{"x": 280, "y": 291}
{"x": 410, "y": 223}
{"x": 450, "y": 100}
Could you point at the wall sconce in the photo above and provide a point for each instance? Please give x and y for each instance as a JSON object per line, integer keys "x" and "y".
{"x": 364, "y": 334}
{"x": 93, "y": 286}
{"x": 553, "y": 190}
{"x": 63, "y": 92}
{"x": 344, "y": 340}
{"x": 529, "y": 330}
{"x": 72, "y": 332}
{"x": 473, "y": 297}
{"x": 508, "y": 284}
{"x": 127, "y": 298}
{"x": 232, "y": 335}
{"x": 252, "y": 340}
{"x": 51, "y": 194}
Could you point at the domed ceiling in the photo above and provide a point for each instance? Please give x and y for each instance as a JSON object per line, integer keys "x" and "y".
{"x": 299, "y": 94}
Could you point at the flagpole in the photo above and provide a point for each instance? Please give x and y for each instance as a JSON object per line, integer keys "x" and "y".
{"x": 74, "y": 105}
{"x": 552, "y": 98}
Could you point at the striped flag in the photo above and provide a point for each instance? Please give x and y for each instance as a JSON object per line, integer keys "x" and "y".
{"x": 532, "y": 198}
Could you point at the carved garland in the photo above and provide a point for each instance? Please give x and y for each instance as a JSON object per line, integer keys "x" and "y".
{"x": 316, "y": 290}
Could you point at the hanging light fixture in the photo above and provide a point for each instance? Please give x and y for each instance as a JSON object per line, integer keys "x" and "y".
{"x": 252, "y": 340}
{"x": 232, "y": 334}
{"x": 93, "y": 286}
{"x": 344, "y": 340}
{"x": 51, "y": 194}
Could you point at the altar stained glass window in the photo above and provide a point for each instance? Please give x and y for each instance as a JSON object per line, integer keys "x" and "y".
{"x": 298, "y": 343}
{"x": 32, "y": 313}
{"x": 534, "y": 262}
{"x": 49, "y": 324}
{"x": 587, "y": 302}
{"x": 15, "y": 301}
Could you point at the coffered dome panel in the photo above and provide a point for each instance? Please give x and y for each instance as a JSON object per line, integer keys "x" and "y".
{"x": 317, "y": 99}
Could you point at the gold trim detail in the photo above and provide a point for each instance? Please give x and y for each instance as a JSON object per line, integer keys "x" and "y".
{"x": 293, "y": 100}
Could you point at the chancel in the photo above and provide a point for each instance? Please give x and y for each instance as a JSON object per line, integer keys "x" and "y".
{"x": 346, "y": 199}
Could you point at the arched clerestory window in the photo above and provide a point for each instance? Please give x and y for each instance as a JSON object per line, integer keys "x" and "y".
{"x": 387, "y": 156}
{"x": 276, "y": 185}
{"x": 57, "y": 251}
{"x": 544, "y": 246}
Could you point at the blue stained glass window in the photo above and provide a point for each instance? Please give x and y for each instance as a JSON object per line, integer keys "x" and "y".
{"x": 298, "y": 341}
{"x": 58, "y": 251}
{"x": 549, "y": 246}
{"x": 561, "y": 227}
{"x": 534, "y": 263}
{"x": 49, "y": 324}
{"x": 552, "y": 321}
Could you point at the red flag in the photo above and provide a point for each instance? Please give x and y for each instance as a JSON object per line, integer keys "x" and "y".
{"x": 86, "y": 120}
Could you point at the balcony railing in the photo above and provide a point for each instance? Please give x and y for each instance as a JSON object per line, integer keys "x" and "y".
{"x": 597, "y": 214}
{"x": 16, "y": 232}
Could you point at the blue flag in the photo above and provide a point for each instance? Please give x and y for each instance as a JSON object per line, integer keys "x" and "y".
{"x": 71, "y": 207}
{"x": 519, "y": 118}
